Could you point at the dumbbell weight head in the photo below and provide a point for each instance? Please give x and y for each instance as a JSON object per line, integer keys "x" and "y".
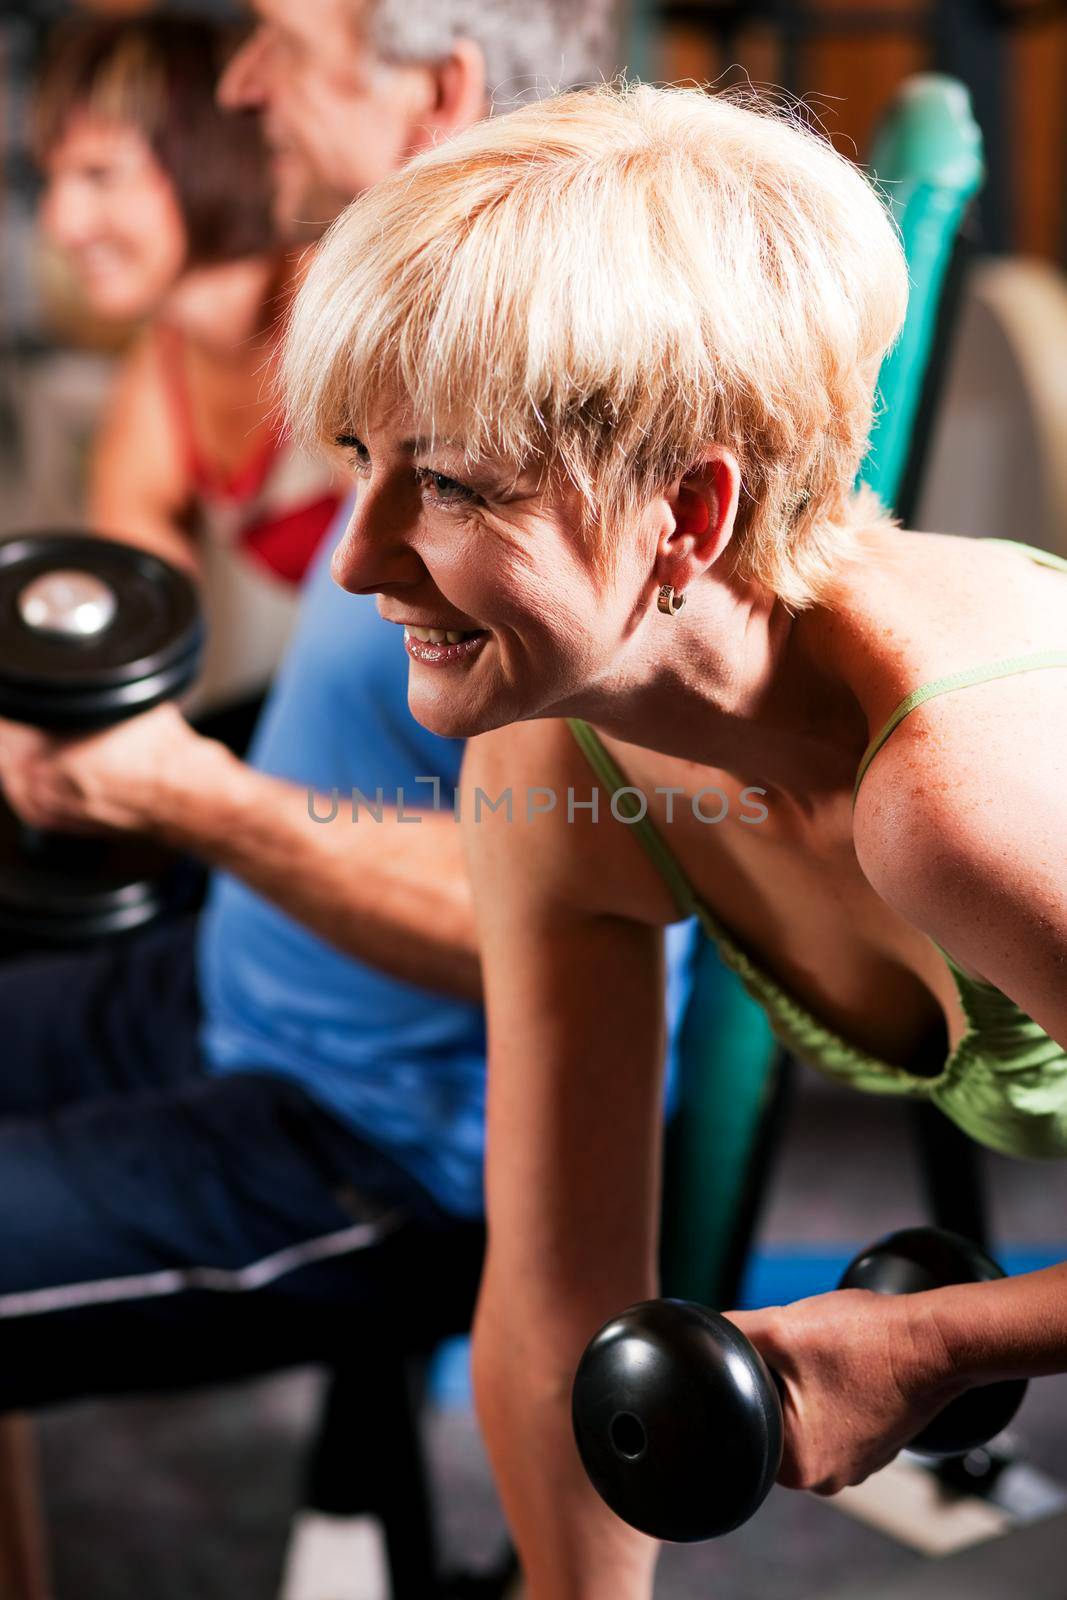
{"x": 678, "y": 1420}
{"x": 916, "y": 1259}
{"x": 58, "y": 891}
{"x": 92, "y": 631}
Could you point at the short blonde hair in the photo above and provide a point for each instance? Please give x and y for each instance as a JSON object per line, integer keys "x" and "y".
{"x": 607, "y": 282}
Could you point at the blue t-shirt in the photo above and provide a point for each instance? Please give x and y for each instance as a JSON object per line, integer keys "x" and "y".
{"x": 402, "y": 1066}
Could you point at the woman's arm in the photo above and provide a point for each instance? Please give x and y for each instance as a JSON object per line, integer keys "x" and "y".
{"x": 1013, "y": 1328}
{"x": 864, "y": 1372}
{"x": 139, "y": 488}
{"x": 576, "y": 1039}
{"x": 959, "y": 828}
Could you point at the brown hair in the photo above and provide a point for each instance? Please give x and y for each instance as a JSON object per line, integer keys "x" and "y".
{"x": 159, "y": 73}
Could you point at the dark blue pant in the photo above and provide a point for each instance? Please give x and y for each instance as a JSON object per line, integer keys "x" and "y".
{"x": 161, "y": 1226}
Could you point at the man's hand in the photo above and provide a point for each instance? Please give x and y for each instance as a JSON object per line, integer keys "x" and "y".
{"x": 862, "y": 1373}
{"x": 93, "y": 782}
{"x": 394, "y": 896}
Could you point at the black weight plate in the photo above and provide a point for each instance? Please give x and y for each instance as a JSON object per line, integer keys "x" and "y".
{"x": 918, "y": 1259}
{"x": 677, "y": 1421}
{"x": 149, "y": 652}
{"x": 67, "y": 890}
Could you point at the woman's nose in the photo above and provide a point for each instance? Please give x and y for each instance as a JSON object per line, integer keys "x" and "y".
{"x": 373, "y": 555}
{"x": 67, "y": 216}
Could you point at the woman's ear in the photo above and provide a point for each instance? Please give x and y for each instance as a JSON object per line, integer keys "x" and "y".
{"x": 703, "y": 509}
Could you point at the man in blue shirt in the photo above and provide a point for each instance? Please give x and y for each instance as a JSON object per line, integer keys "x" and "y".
{"x": 225, "y": 1121}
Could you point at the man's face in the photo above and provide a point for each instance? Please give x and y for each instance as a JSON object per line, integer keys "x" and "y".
{"x": 337, "y": 120}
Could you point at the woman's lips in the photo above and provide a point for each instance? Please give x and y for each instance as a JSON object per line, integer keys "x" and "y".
{"x": 440, "y": 647}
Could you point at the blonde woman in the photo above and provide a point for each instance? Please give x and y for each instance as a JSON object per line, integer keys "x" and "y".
{"x": 605, "y": 370}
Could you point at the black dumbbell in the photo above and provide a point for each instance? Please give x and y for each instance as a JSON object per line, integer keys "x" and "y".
{"x": 679, "y": 1422}
{"x": 91, "y": 631}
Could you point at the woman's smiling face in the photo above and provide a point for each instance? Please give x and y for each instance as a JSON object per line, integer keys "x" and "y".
{"x": 112, "y": 210}
{"x": 496, "y": 561}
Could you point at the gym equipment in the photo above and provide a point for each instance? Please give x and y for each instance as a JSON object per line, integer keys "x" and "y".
{"x": 678, "y": 1420}
{"x": 931, "y": 157}
{"x": 1004, "y": 390}
{"x": 91, "y": 632}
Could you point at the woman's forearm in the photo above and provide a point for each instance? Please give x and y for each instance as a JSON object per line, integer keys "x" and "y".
{"x": 1013, "y": 1328}
{"x": 574, "y": 998}
{"x": 571, "y": 1546}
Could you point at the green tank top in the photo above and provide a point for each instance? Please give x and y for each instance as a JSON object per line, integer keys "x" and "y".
{"x": 1005, "y": 1083}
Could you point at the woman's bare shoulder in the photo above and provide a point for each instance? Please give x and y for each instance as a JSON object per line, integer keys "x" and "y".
{"x": 969, "y": 777}
{"x": 959, "y": 829}
{"x": 912, "y": 608}
{"x": 535, "y": 815}
{"x": 139, "y": 465}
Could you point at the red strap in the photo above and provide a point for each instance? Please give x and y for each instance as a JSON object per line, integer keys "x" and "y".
{"x": 246, "y": 480}
{"x": 286, "y": 543}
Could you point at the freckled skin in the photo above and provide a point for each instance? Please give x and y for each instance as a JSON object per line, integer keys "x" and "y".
{"x": 732, "y": 679}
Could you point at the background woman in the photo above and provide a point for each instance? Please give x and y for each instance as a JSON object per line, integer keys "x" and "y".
{"x": 161, "y": 204}
{"x": 596, "y": 362}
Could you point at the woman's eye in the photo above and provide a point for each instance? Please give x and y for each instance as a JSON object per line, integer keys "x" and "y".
{"x": 355, "y": 452}
{"x": 442, "y": 488}
{"x": 437, "y": 486}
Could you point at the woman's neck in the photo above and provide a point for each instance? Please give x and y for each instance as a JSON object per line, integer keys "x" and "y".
{"x": 237, "y": 303}
{"x": 737, "y": 683}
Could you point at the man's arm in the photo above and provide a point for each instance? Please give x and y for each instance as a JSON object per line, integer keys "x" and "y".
{"x": 392, "y": 893}
{"x": 139, "y": 489}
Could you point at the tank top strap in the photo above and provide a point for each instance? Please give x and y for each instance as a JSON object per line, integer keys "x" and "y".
{"x": 964, "y": 680}
{"x": 956, "y": 680}
{"x": 649, "y": 836}
{"x": 1043, "y": 558}
{"x": 247, "y": 479}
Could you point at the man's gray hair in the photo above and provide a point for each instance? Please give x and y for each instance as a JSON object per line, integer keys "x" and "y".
{"x": 532, "y": 48}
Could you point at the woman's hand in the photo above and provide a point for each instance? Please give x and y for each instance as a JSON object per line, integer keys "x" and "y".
{"x": 862, "y": 1373}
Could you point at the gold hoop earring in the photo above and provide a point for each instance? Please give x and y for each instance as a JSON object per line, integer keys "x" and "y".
{"x": 669, "y": 602}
